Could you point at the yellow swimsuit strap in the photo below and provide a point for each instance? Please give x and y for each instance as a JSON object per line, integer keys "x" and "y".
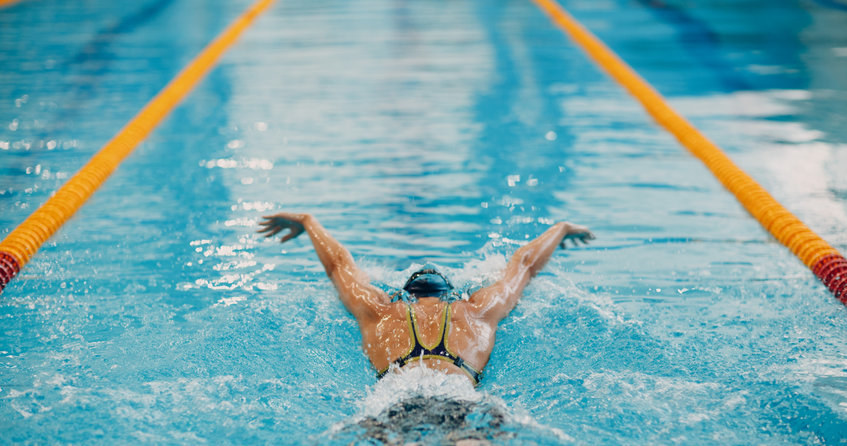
{"x": 419, "y": 351}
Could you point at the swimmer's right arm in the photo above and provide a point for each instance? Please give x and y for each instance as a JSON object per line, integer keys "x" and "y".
{"x": 353, "y": 285}
{"x": 494, "y": 302}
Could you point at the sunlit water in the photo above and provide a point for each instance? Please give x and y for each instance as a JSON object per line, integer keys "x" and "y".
{"x": 449, "y": 132}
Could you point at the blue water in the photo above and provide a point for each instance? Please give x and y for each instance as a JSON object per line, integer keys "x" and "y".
{"x": 422, "y": 131}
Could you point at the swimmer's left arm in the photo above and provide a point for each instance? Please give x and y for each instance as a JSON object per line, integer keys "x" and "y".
{"x": 353, "y": 285}
{"x": 496, "y": 301}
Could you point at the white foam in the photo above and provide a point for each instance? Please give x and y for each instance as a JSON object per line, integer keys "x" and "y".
{"x": 410, "y": 382}
{"x": 415, "y": 381}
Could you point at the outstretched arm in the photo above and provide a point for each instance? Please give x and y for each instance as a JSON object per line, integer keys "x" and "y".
{"x": 354, "y": 288}
{"x": 494, "y": 302}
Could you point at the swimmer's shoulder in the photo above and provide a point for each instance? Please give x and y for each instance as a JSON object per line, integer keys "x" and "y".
{"x": 464, "y": 309}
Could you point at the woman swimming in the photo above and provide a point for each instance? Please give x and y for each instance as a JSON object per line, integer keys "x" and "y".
{"x": 423, "y": 324}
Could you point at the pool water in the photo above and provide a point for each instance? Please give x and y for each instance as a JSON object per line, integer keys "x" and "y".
{"x": 449, "y": 132}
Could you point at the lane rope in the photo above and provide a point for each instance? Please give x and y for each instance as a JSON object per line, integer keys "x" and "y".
{"x": 22, "y": 243}
{"x": 824, "y": 260}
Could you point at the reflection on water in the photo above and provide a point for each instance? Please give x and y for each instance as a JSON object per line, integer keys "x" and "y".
{"x": 449, "y": 132}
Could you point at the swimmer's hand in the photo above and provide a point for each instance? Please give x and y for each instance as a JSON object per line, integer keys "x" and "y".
{"x": 576, "y": 233}
{"x": 274, "y": 224}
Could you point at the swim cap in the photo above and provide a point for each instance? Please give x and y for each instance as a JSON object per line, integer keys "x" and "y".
{"x": 428, "y": 282}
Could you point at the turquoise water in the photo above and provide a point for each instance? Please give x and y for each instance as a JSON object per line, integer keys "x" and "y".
{"x": 422, "y": 131}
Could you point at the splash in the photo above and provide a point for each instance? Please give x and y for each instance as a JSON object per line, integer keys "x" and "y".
{"x": 421, "y": 381}
{"x": 423, "y": 406}
{"x": 473, "y": 275}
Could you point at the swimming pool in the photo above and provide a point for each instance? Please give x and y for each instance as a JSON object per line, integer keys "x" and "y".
{"x": 440, "y": 131}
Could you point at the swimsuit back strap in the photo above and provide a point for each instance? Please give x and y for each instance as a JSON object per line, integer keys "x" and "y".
{"x": 445, "y": 326}
{"x": 418, "y": 350}
{"x": 413, "y": 331}
{"x": 457, "y": 360}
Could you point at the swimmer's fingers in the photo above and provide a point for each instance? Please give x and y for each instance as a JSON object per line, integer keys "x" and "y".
{"x": 271, "y": 231}
{"x": 295, "y": 230}
{"x": 268, "y": 226}
{"x": 274, "y": 224}
{"x": 268, "y": 221}
{"x": 271, "y": 228}
{"x": 585, "y": 237}
{"x": 573, "y": 240}
{"x": 564, "y": 245}
{"x": 577, "y": 234}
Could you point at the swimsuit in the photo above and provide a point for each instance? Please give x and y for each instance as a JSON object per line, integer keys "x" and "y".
{"x": 419, "y": 351}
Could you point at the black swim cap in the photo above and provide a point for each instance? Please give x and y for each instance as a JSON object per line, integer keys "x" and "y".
{"x": 428, "y": 282}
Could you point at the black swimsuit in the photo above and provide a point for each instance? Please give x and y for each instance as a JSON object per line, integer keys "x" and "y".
{"x": 419, "y": 351}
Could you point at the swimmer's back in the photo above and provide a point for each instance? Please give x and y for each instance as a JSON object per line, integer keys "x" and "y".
{"x": 390, "y": 337}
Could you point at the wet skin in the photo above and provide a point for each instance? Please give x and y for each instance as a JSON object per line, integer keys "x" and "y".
{"x": 384, "y": 325}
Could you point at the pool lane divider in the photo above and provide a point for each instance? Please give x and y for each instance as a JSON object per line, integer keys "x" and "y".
{"x": 22, "y": 243}
{"x": 824, "y": 260}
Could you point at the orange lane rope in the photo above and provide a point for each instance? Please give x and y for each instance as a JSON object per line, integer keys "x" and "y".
{"x": 4, "y": 3}
{"x": 22, "y": 243}
{"x": 824, "y": 260}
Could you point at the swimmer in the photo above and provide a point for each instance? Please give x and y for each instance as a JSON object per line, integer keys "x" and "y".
{"x": 423, "y": 323}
